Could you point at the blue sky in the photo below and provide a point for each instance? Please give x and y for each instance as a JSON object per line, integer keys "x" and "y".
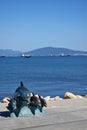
{"x": 30, "y": 24}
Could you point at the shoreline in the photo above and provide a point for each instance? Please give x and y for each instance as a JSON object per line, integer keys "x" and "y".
{"x": 67, "y": 95}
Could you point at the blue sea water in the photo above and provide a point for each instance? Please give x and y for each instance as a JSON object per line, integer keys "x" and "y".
{"x": 44, "y": 75}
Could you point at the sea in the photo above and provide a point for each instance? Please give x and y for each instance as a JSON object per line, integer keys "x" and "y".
{"x": 44, "y": 75}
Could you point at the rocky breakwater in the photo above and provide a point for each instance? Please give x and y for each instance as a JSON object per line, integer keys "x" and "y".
{"x": 67, "y": 95}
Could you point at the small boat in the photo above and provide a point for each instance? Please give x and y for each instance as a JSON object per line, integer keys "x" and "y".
{"x": 62, "y": 54}
{"x": 26, "y": 55}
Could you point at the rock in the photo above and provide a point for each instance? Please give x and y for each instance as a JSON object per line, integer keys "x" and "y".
{"x": 57, "y": 98}
{"x": 78, "y": 96}
{"x": 5, "y": 100}
{"x": 69, "y": 95}
{"x": 47, "y": 98}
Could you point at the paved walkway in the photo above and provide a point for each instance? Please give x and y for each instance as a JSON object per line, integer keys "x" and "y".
{"x": 59, "y": 115}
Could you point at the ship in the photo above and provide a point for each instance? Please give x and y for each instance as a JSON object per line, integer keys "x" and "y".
{"x": 26, "y": 55}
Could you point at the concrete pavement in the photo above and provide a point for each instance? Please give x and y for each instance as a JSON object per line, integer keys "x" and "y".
{"x": 69, "y": 114}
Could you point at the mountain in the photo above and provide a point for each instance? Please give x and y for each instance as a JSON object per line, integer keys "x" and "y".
{"x": 9, "y": 52}
{"x": 46, "y": 51}
{"x": 51, "y": 51}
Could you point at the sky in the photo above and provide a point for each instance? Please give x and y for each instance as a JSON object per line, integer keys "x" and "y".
{"x": 26, "y": 25}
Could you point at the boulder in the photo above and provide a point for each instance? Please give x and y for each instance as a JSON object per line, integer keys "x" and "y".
{"x": 78, "y": 96}
{"x": 47, "y": 98}
{"x": 5, "y": 100}
{"x": 57, "y": 98}
{"x": 69, "y": 95}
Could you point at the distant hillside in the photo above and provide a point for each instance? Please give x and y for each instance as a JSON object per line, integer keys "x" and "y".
{"x": 9, "y": 52}
{"x": 51, "y": 51}
{"x": 46, "y": 51}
